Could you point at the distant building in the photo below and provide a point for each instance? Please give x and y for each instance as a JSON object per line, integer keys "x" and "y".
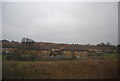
{"x": 73, "y": 51}
{"x": 8, "y": 47}
{"x": 38, "y": 49}
{"x": 44, "y": 50}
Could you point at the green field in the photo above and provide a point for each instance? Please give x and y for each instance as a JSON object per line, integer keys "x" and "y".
{"x": 102, "y": 55}
{"x": 107, "y": 55}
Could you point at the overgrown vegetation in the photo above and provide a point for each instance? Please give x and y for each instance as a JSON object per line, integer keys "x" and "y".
{"x": 106, "y": 68}
{"x": 74, "y": 69}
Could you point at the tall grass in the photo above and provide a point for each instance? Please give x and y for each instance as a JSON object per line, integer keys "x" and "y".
{"x": 74, "y": 69}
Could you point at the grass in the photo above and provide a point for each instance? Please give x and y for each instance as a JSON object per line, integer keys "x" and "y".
{"x": 106, "y": 68}
{"x": 74, "y": 69}
{"x": 4, "y": 57}
{"x": 107, "y": 55}
{"x": 103, "y": 55}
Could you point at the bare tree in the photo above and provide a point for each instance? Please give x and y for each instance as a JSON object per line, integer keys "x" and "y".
{"x": 101, "y": 44}
{"x": 26, "y": 41}
{"x": 108, "y": 44}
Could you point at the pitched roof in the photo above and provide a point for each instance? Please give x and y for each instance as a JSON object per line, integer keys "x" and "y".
{"x": 53, "y": 46}
{"x": 38, "y": 47}
{"x": 74, "y": 48}
{"x": 10, "y": 45}
{"x": 96, "y": 47}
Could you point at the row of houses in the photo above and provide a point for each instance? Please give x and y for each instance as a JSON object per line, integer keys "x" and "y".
{"x": 43, "y": 50}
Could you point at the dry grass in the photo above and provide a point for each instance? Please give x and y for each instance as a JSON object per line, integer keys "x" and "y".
{"x": 75, "y": 69}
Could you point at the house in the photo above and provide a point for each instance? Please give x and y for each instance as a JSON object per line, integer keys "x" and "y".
{"x": 39, "y": 49}
{"x": 74, "y": 51}
{"x": 98, "y": 49}
{"x": 8, "y": 47}
{"x": 55, "y": 50}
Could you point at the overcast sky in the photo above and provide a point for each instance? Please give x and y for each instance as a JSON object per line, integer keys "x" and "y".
{"x": 61, "y": 22}
{"x": 0, "y": 20}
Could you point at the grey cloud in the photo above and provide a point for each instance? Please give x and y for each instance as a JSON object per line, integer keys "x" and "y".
{"x": 61, "y": 22}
